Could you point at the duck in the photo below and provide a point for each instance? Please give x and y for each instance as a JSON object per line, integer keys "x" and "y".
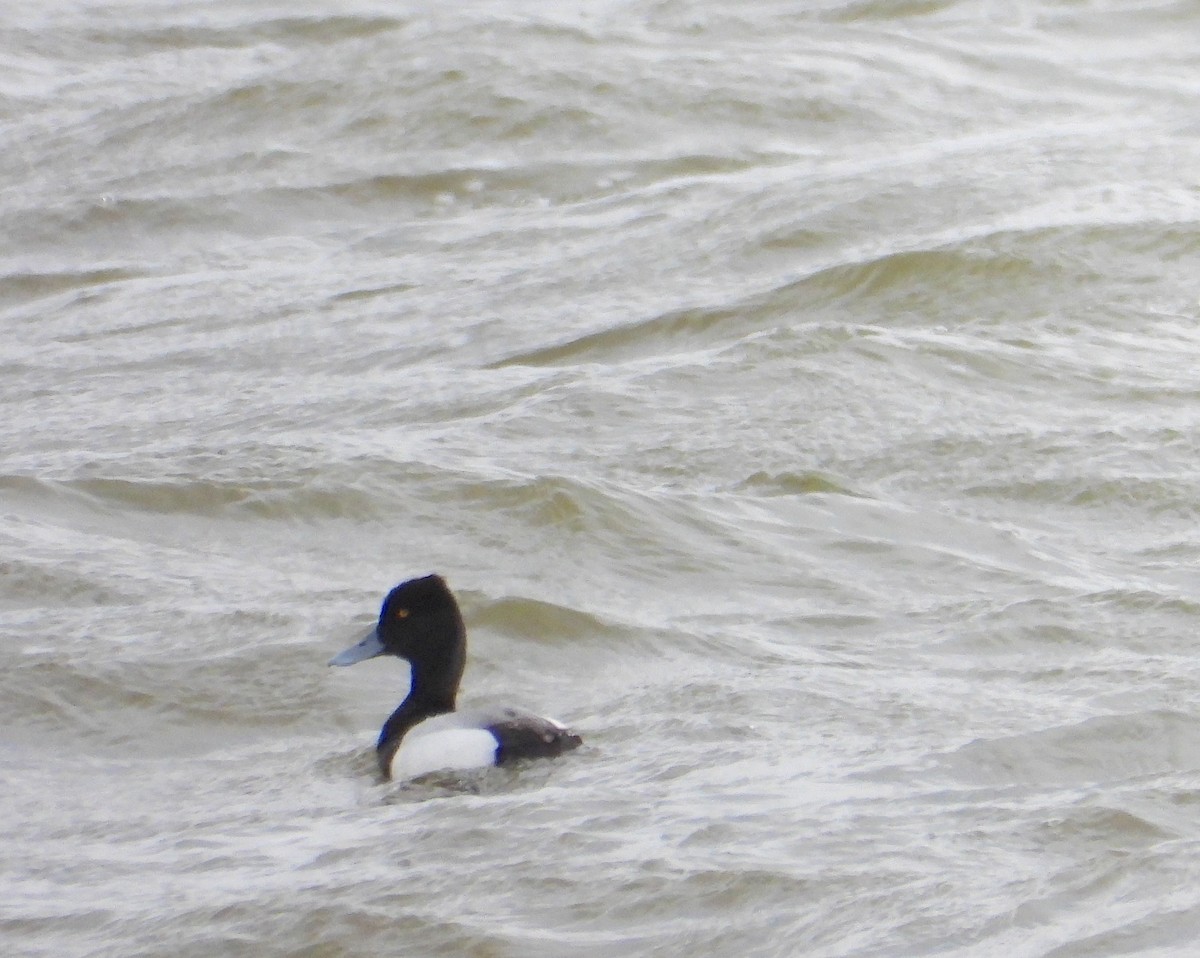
{"x": 420, "y": 622}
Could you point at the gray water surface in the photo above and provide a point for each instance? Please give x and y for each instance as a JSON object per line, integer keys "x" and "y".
{"x": 800, "y": 397}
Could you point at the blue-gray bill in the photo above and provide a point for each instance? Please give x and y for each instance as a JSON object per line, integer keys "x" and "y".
{"x": 368, "y": 648}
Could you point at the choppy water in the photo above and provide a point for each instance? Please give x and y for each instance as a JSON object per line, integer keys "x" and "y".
{"x": 802, "y": 398}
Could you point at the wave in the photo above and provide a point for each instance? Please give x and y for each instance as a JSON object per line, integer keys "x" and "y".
{"x": 278, "y": 500}
{"x": 1096, "y": 751}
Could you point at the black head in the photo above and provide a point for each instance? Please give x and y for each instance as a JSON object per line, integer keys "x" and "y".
{"x": 420, "y": 622}
{"x": 417, "y": 617}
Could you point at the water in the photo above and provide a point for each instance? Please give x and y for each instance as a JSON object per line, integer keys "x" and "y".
{"x": 799, "y": 396}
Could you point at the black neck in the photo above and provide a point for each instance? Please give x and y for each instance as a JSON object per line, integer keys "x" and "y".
{"x": 412, "y": 711}
{"x": 433, "y": 687}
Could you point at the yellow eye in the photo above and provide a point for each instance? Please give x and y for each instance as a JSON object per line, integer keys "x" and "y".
{"x": 402, "y": 613}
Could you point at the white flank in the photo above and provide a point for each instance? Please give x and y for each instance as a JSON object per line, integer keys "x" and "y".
{"x": 443, "y": 749}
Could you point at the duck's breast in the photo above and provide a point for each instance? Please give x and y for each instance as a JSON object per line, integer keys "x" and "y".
{"x": 451, "y": 742}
